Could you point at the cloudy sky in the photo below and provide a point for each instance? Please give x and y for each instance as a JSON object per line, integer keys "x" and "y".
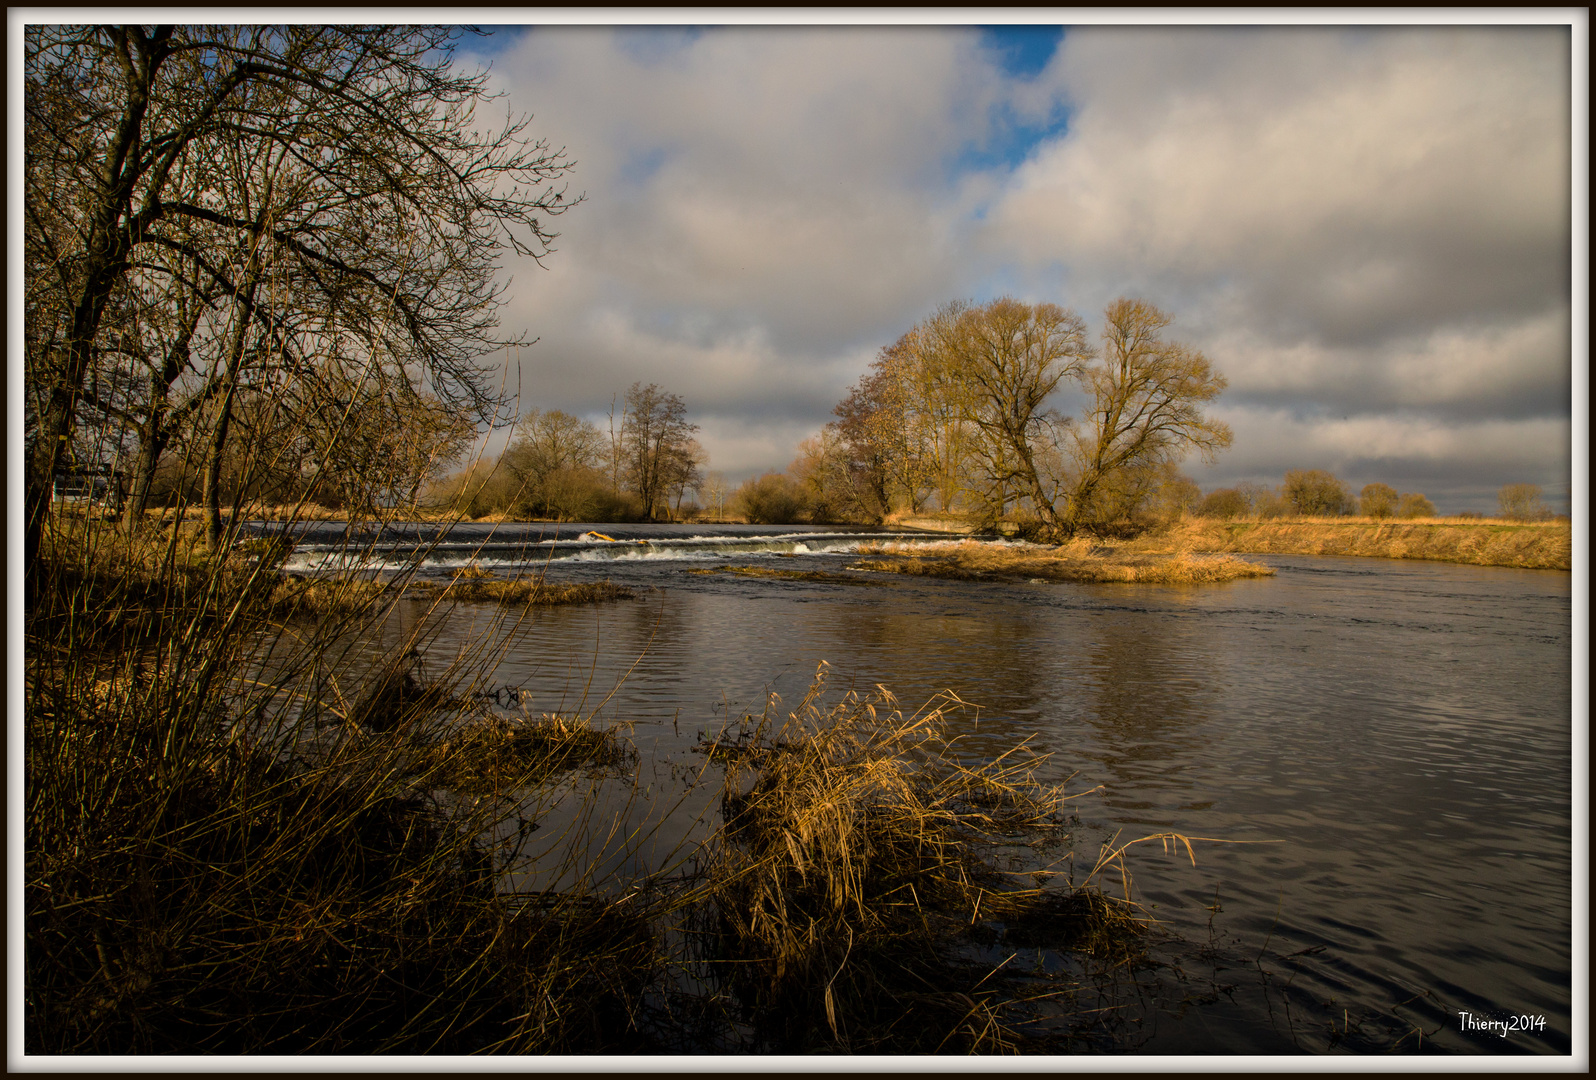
{"x": 1368, "y": 230}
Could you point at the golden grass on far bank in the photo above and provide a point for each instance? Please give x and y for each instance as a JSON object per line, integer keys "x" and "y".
{"x": 1078, "y": 561}
{"x": 1530, "y": 546}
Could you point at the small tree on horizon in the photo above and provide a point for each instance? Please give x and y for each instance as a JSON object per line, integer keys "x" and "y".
{"x": 1377, "y": 500}
{"x": 1315, "y": 493}
{"x": 1522, "y": 502}
{"x": 1414, "y": 505}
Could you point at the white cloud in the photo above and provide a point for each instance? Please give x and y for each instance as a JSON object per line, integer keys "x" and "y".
{"x": 1342, "y": 184}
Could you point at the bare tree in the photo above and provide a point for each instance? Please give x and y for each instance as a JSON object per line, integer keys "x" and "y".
{"x": 683, "y": 472}
{"x": 1000, "y": 363}
{"x": 1522, "y": 502}
{"x": 1414, "y": 505}
{"x": 1146, "y": 394}
{"x": 546, "y": 444}
{"x": 1377, "y": 500}
{"x": 1315, "y": 493}
{"x": 714, "y": 491}
{"x": 654, "y": 437}
{"x": 378, "y": 209}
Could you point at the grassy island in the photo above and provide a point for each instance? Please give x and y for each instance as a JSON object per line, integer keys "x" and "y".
{"x": 1080, "y": 561}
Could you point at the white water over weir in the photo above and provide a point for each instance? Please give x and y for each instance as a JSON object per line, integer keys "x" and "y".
{"x": 323, "y": 547}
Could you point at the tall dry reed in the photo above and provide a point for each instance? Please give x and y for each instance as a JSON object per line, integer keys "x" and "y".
{"x": 859, "y": 856}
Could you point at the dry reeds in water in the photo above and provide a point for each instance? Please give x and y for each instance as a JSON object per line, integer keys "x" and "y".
{"x": 475, "y": 584}
{"x": 497, "y": 754}
{"x": 856, "y": 856}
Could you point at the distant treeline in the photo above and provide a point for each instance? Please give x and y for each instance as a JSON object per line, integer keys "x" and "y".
{"x": 1317, "y": 493}
{"x": 560, "y": 466}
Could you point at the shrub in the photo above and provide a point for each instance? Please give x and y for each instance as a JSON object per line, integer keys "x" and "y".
{"x": 1225, "y": 504}
{"x": 1315, "y": 493}
{"x": 1377, "y": 500}
{"x": 772, "y": 499}
{"x": 1414, "y": 505}
{"x": 1522, "y": 502}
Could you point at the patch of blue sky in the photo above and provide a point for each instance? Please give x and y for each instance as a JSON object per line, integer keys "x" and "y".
{"x": 492, "y": 41}
{"x": 642, "y": 165}
{"x": 1021, "y": 53}
{"x": 652, "y": 46}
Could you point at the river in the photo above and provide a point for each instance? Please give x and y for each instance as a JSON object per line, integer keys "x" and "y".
{"x": 1392, "y": 740}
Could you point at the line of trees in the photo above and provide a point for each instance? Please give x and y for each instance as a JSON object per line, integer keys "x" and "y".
{"x": 262, "y": 258}
{"x": 564, "y": 467}
{"x": 1318, "y": 493}
{"x": 1311, "y": 493}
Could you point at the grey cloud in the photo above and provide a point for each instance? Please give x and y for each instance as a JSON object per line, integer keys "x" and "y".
{"x": 1368, "y": 230}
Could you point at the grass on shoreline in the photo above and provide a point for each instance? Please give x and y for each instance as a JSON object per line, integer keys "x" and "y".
{"x": 1531, "y": 546}
{"x": 1543, "y": 545}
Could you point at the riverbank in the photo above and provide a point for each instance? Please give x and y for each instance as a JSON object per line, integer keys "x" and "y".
{"x": 1536, "y": 546}
{"x": 1475, "y": 542}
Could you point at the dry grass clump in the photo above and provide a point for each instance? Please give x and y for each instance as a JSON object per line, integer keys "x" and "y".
{"x": 531, "y": 591}
{"x": 1530, "y": 546}
{"x": 784, "y": 575}
{"x": 309, "y": 596}
{"x": 857, "y": 858}
{"x": 1079, "y": 561}
{"x": 498, "y": 754}
{"x": 305, "y": 596}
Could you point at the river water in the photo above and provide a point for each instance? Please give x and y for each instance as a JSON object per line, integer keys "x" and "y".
{"x": 1392, "y": 740}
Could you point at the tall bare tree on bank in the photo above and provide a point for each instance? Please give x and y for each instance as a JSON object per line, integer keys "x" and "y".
{"x": 384, "y": 257}
{"x": 999, "y": 364}
{"x": 1146, "y": 394}
{"x": 976, "y": 393}
{"x": 655, "y": 438}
